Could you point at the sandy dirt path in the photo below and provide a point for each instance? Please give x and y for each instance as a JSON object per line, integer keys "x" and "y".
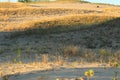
{"x": 100, "y": 74}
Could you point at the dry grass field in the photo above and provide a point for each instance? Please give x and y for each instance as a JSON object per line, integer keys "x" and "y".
{"x": 48, "y": 36}
{"x": 18, "y": 16}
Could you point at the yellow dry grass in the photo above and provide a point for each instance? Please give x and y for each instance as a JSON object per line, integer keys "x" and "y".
{"x": 63, "y": 21}
{"x": 4, "y": 18}
{"x": 11, "y": 5}
{"x": 13, "y": 19}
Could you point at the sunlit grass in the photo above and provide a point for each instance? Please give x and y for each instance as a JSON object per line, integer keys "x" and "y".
{"x": 64, "y": 21}
{"x": 11, "y": 5}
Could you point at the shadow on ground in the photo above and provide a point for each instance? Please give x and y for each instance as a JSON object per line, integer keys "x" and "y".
{"x": 103, "y": 35}
{"x": 63, "y": 74}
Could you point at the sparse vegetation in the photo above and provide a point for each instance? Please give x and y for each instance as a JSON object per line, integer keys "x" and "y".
{"x": 45, "y": 59}
{"x": 116, "y": 72}
{"x": 38, "y": 37}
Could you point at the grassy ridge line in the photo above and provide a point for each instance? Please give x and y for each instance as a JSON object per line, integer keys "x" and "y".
{"x": 42, "y": 11}
{"x": 61, "y": 21}
{"x": 35, "y": 11}
{"x": 19, "y": 4}
{"x": 23, "y": 9}
{"x": 58, "y": 24}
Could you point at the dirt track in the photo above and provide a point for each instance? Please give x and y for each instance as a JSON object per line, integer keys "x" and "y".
{"x": 100, "y": 74}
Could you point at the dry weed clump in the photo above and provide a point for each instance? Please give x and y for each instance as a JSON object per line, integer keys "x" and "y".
{"x": 71, "y": 50}
{"x": 60, "y": 60}
{"x": 45, "y": 58}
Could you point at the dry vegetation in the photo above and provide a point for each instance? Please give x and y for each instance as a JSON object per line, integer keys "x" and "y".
{"x": 52, "y": 36}
{"x": 11, "y": 5}
{"x": 20, "y": 17}
{"x": 62, "y": 21}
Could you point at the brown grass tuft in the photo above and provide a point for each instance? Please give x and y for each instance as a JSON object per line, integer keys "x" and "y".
{"x": 45, "y": 58}
{"x": 71, "y": 50}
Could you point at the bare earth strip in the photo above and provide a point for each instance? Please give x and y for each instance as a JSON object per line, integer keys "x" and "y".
{"x": 63, "y": 74}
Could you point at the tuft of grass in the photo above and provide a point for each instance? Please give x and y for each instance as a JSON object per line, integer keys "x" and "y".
{"x": 71, "y": 50}
{"x": 60, "y": 60}
{"x": 45, "y": 58}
